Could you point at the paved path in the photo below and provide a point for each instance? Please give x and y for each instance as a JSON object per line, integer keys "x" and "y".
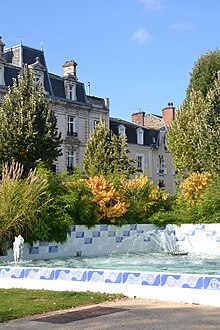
{"x": 129, "y": 314}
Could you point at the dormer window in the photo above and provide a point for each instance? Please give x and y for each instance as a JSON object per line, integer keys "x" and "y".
{"x": 2, "y": 80}
{"x": 121, "y": 130}
{"x": 38, "y": 70}
{"x": 140, "y": 136}
{"x": 71, "y": 92}
{"x": 38, "y": 78}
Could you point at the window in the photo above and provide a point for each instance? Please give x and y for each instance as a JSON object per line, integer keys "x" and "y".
{"x": 140, "y": 163}
{"x": 121, "y": 130}
{"x": 2, "y": 75}
{"x": 140, "y": 136}
{"x": 161, "y": 184}
{"x": 96, "y": 122}
{"x": 71, "y": 92}
{"x": 71, "y": 160}
{"x": 71, "y": 126}
{"x": 38, "y": 77}
{"x": 161, "y": 165}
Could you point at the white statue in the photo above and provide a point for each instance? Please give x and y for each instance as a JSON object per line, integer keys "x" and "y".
{"x": 18, "y": 247}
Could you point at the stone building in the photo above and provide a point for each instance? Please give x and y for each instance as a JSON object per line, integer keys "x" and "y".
{"x": 76, "y": 112}
{"x": 162, "y": 171}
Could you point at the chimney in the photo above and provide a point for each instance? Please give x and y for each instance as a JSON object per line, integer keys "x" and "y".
{"x": 2, "y": 45}
{"x": 107, "y": 102}
{"x": 69, "y": 68}
{"x": 168, "y": 114}
{"x": 138, "y": 118}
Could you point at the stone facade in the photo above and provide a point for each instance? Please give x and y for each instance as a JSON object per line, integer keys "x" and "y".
{"x": 76, "y": 112}
{"x": 161, "y": 170}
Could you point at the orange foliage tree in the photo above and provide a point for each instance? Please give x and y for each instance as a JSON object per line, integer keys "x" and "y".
{"x": 110, "y": 200}
{"x": 194, "y": 186}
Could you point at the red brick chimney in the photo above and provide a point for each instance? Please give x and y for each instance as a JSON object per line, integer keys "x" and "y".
{"x": 168, "y": 114}
{"x": 138, "y": 118}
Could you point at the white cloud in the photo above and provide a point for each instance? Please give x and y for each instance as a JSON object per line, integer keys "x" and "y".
{"x": 141, "y": 36}
{"x": 181, "y": 26}
{"x": 152, "y": 4}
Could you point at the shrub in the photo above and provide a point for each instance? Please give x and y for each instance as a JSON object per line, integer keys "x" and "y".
{"x": 20, "y": 202}
{"x": 110, "y": 200}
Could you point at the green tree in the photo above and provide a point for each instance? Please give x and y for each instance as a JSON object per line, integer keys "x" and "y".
{"x": 106, "y": 154}
{"x": 27, "y": 125}
{"x": 204, "y": 72}
{"x": 193, "y": 136}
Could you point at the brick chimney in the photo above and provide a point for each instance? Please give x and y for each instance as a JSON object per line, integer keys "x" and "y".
{"x": 168, "y": 114}
{"x": 138, "y": 118}
{"x": 69, "y": 68}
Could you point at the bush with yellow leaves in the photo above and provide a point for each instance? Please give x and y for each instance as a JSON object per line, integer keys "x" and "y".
{"x": 194, "y": 186}
{"x": 110, "y": 200}
{"x": 145, "y": 198}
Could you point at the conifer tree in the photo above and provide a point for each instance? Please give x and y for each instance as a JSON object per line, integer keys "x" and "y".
{"x": 106, "y": 154}
{"x": 27, "y": 125}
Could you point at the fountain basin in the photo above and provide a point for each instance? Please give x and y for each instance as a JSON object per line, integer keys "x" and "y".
{"x": 200, "y": 285}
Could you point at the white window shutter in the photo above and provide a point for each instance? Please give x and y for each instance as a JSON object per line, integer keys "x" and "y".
{"x": 164, "y": 165}
{"x": 158, "y": 165}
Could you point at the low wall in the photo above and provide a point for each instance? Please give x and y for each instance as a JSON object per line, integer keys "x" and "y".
{"x": 188, "y": 288}
{"x": 103, "y": 239}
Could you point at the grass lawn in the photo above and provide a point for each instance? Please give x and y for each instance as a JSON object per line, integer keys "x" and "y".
{"x": 15, "y": 303}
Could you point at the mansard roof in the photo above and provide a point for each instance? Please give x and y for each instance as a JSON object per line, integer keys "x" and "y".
{"x": 19, "y": 55}
{"x": 150, "y": 135}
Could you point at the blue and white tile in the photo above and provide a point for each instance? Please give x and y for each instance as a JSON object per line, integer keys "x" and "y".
{"x": 131, "y": 278}
{"x": 150, "y": 279}
{"x": 34, "y": 250}
{"x": 96, "y": 276}
{"x": 211, "y": 283}
{"x": 53, "y": 249}
{"x": 192, "y": 281}
{"x": 79, "y": 275}
{"x": 113, "y": 276}
{"x": 63, "y": 274}
{"x": 88, "y": 240}
{"x": 171, "y": 280}
{"x": 5, "y": 272}
{"x": 17, "y": 272}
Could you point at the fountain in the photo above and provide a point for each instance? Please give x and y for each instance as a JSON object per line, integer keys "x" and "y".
{"x": 142, "y": 264}
{"x": 18, "y": 247}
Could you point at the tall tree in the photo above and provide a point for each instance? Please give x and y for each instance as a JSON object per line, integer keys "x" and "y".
{"x": 204, "y": 72}
{"x": 27, "y": 125}
{"x": 193, "y": 136}
{"x": 106, "y": 154}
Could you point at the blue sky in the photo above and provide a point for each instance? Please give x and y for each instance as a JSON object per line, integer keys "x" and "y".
{"x": 139, "y": 53}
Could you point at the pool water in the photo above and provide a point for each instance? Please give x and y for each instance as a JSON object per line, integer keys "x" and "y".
{"x": 150, "y": 262}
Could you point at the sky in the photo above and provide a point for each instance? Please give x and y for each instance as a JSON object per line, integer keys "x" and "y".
{"x": 138, "y": 53}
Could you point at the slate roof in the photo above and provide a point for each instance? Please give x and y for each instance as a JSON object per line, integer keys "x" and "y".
{"x": 19, "y": 55}
{"x": 10, "y": 74}
{"x": 150, "y": 135}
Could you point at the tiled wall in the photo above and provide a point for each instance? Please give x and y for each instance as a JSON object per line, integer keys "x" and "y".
{"x": 200, "y": 289}
{"x": 104, "y": 239}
